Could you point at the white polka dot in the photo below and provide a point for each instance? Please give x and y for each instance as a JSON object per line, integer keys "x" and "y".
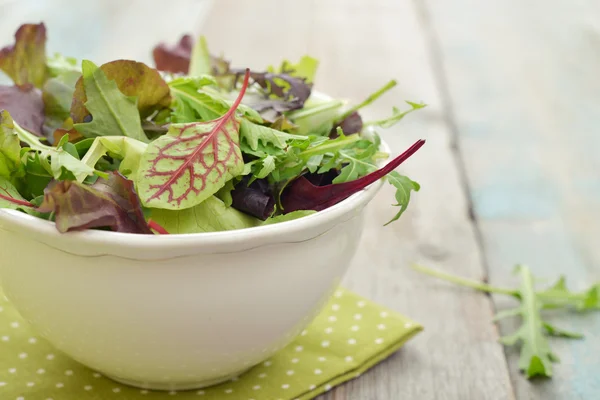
{"x": 20, "y": 398}
{"x": 263, "y": 375}
{"x": 338, "y": 294}
{"x": 68, "y": 372}
{"x": 351, "y": 341}
{"x": 87, "y": 387}
{"x": 407, "y": 325}
{"x": 325, "y": 343}
{"x": 23, "y": 356}
{"x": 14, "y": 324}
{"x": 327, "y": 387}
{"x": 50, "y": 357}
{"x": 228, "y": 391}
{"x": 172, "y": 393}
{"x": 354, "y": 328}
{"x": 116, "y": 390}
{"x": 200, "y": 392}
{"x": 30, "y": 384}
{"x": 5, "y": 338}
{"x": 96, "y": 375}
{"x": 2, "y": 384}
{"x": 1, "y": 309}
{"x": 335, "y": 307}
{"x": 285, "y": 386}
{"x": 383, "y": 314}
{"x": 318, "y": 372}
{"x": 60, "y": 385}
{"x": 49, "y": 398}
{"x": 267, "y": 363}
{"x": 299, "y": 348}
{"x": 379, "y": 340}
{"x": 295, "y": 360}
{"x": 290, "y": 372}
{"x": 357, "y": 316}
{"x": 381, "y": 327}
{"x": 328, "y": 330}
{"x": 256, "y": 387}
{"x": 143, "y": 391}
{"x": 361, "y": 304}
{"x": 322, "y": 359}
{"x": 332, "y": 318}
{"x": 304, "y": 332}
{"x": 312, "y": 387}
{"x": 12, "y": 370}
{"x": 41, "y": 371}
{"x": 349, "y": 359}
{"x": 32, "y": 340}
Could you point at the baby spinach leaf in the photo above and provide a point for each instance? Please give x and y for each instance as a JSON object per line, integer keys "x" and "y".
{"x": 110, "y": 203}
{"x": 25, "y": 61}
{"x": 192, "y": 161}
{"x": 113, "y": 113}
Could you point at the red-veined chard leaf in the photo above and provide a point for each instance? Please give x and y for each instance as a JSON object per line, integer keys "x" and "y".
{"x": 132, "y": 78}
{"x": 25, "y": 61}
{"x": 303, "y": 195}
{"x": 25, "y": 105}
{"x": 108, "y": 203}
{"x": 192, "y": 161}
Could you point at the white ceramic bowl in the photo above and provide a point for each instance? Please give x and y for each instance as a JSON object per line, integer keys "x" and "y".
{"x": 177, "y": 311}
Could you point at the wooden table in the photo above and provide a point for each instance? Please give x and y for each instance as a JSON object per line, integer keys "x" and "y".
{"x": 510, "y": 172}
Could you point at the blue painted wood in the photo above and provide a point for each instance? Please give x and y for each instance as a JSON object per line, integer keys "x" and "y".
{"x": 523, "y": 82}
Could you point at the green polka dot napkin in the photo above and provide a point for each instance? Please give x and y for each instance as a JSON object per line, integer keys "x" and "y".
{"x": 349, "y": 336}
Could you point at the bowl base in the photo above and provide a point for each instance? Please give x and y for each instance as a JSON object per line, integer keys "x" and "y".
{"x": 176, "y": 386}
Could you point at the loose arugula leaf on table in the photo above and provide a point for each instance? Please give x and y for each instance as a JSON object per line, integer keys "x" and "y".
{"x": 108, "y": 203}
{"x": 108, "y": 86}
{"x": 26, "y": 106}
{"x": 212, "y": 215}
{"x": 192, "y": 161}
{"x": 536, "y": 355}
{"x": 113, "y": 113}
{"x": 25, "y": 61}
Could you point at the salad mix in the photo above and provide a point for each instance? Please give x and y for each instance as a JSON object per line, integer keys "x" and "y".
{"x": 193, "y": 145}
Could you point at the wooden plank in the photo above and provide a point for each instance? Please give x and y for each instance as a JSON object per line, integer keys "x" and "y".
{"x": 361, "y": 45}
{"x": 523, "y": 83}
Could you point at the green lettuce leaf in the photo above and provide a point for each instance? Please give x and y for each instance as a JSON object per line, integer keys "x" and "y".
{"x": 113, "y": 113}
{"x": 128, "y": 150}
{"x": 288, "y": 217}
{"x": 10, "y": 147}
{"x": 25, "y": 61}
{"x": 57, "y": 95}
{"x": 212, "y": 215}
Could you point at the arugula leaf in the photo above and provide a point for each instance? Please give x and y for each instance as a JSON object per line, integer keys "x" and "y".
{"x": 212, "y": 215}
{"x": 288, "y": 217}
{"x": 127, "y": 149}
{"x": 110, "y": 203}
{"x": 559, "y": 296}
{"x": 369, "y": 100}
{"x": 396, "y": 117}
{"x": 536, "y": 356}
{"x": 25, "y": 61}
{"x": 113, "y": 112}
{"x": 192, "y": 161}
{"x": 254, "y": 134}
{"x": 404, "y": 186}
{"x": 63, "y": 164}
{"x": 10, "y": 147}
{"x": 25, "y": 105}
{"x": 316, "y": 119}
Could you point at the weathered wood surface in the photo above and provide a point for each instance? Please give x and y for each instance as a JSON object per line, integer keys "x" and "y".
{"x": 521, "y": 81}
{"x": 362, "y": 44}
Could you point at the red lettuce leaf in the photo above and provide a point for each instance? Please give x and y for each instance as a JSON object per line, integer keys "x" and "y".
{"x": 353, "y": 123}
{"x": 255, "y": 199}
{"x": 25, "y": 105}
{"x": 25, "y": 61}
{"x": 301, "y": 194}
{"x": 108, "y": 203}
{"x": 174, "y": 59}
